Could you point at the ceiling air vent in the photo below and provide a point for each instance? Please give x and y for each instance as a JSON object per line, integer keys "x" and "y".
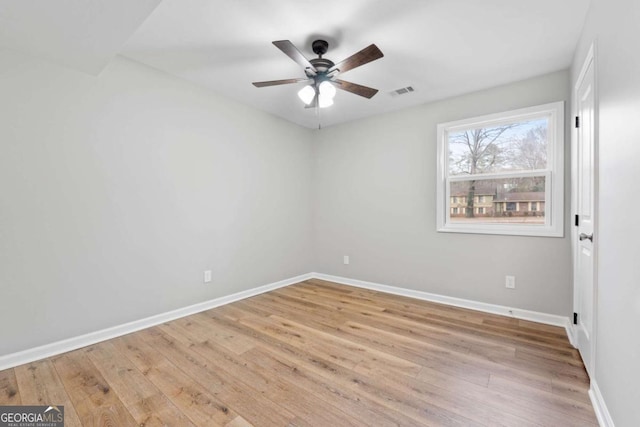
{"x": 402, "y": 91}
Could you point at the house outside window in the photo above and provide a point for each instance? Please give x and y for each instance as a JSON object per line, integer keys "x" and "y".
{"x": 507, "y": 171}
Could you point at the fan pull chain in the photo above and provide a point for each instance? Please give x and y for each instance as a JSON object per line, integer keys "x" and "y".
{"x": 318, "y": 115}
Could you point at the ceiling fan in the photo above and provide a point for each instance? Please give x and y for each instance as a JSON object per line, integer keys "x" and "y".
{"x": 321, "y": 73}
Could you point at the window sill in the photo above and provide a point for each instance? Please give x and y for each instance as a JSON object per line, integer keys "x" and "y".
{"x": 503, "y": 230}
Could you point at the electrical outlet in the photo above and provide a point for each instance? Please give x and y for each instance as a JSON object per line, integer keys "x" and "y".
{"x": 510, "y": 282}
{"x": 345, "y": 260}
{"x": 207, "y": 276}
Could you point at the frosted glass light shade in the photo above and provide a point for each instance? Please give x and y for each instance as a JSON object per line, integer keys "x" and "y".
{"x": 327, "y": 89}
{"x": 324, "y": 100}
{"x": 306, "y": 94}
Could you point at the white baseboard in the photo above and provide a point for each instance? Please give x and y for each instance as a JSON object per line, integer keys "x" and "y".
{"x": 534, "y": 316}
{"x": 571, "y": 333}
{"x": 59, "y": 347}
{"x": 600, "y": 408}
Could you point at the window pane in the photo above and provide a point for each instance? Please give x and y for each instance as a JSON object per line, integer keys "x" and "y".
{"x": 520, "y": 146}
{"x": 498, "y": 201}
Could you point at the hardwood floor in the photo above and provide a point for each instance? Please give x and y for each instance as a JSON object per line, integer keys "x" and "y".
{"x": 318, "y": 354}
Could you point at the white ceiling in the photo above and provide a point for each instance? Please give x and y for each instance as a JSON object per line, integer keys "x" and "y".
{"x": 442, "y": 48}
{"x": 80, "y": 34}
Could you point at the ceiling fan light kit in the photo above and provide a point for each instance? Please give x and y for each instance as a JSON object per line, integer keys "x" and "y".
{"x": 306, "y": 94}
{"x": 321, "y": 73}
{"x": 325, "y": 91}
{"x": 324, "y": 101}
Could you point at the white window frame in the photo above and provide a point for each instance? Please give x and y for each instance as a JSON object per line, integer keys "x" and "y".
{"x": 554, "y": 173}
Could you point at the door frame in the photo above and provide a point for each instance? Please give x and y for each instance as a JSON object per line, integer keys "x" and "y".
{"x": 590, "y": 57}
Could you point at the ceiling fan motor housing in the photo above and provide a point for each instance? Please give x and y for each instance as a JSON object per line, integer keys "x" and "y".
{"x": 322, "y": 65}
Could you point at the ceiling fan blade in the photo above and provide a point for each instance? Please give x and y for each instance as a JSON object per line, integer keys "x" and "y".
{"x": 366, "y": 55}
{"x": 292, "y": 52}
{"x": 365, "y": 91}
{"x": 277, "y": 82}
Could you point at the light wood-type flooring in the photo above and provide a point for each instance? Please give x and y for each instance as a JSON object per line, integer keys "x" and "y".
{"x": 318, "y": 354}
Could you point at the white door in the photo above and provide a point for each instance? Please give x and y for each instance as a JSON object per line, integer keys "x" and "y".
{"x": 585, "y": 240}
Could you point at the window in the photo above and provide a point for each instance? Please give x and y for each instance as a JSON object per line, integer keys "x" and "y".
{"x": 512, "y": 164}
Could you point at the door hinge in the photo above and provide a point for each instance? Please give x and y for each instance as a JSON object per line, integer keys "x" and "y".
{"x": 575, "y": 318}
{"x": 577, "y": 221}
{"x": 577, "y": 121}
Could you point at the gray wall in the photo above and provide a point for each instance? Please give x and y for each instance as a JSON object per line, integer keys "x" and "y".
{"x": 117, "y": 192}
{"x": 613, "y": 25}
{"x": 374, "y": 200}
